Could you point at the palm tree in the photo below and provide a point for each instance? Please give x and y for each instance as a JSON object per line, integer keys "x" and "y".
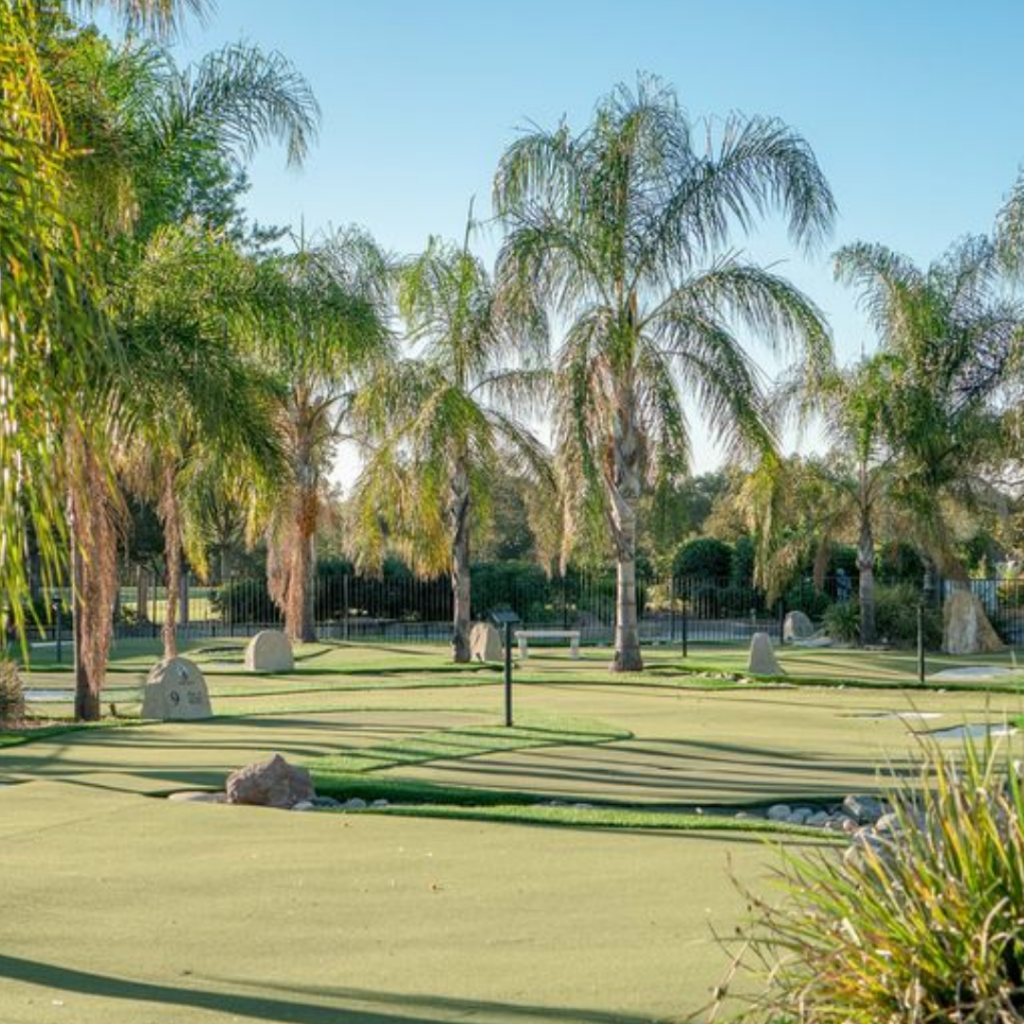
{"x": 322, "y": 320}
{"x": 196, "y": 403}
{"x": 622, "y": 230}
{"x": 950, "y": 335}
{"x": 444, "y": 423}
{"x": 855, "y": 478}
{"x": 133, "y": 118}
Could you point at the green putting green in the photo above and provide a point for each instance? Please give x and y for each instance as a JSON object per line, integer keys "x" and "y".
{"x": 474, "y": 900}
{"x": 121, "y": 909}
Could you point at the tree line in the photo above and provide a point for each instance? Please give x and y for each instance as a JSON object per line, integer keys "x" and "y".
{"x": 157, "y": 347}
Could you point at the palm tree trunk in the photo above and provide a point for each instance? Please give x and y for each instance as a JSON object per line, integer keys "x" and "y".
{"x": 299, "y": 611}
{"x": 460, "y": 566}
{"x": 866, "y": 590}
{"x": 624, "y": 494}
{"x": 172, "y": 558}
{"x": 93, "y": 573}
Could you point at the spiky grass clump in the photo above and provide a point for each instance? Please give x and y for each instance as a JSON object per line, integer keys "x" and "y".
{"x": 924, "y": 924}
{"x": 12, "y": 697}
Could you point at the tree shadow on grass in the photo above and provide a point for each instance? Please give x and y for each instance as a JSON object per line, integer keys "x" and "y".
{"x": 334, "y": 1005}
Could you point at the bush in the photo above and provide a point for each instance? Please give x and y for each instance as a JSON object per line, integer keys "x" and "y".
{"x": 705, "y": 558}
{"x": 925, "y": 923}
{"x": 805, "y": 597}
{"x": 842, "y": 622}
{"x": 523, "y": 587}
{"x": 896, "y": 616}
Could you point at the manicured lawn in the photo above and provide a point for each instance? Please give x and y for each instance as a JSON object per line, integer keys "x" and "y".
{"x": 470, "y": 895}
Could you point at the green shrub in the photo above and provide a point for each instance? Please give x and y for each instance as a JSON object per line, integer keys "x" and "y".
{"x": 923, "y": 924}
{"x": 705, "y": 558}
{"x": 896, "y": 616}
{"x": 805, "y": 597}
{"x": 842, "y": 622}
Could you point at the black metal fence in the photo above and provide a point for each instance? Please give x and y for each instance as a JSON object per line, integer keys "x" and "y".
{"x": 402, "y": 607}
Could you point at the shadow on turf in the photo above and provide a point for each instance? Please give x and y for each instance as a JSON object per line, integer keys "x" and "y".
{"x": 347, "y": 1005}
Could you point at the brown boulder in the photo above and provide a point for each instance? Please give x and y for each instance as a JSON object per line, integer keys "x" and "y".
{"x": 965, "y": 627}
{"x": 273, "y": 783}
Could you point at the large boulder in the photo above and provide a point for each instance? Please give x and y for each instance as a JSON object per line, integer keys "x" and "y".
{"x": 269, "y": 651}
{"x": 965, "y": 626}
{"x": 485, "y": 642}
{"x": 762, "y": 657}
{"x": 796, "y": 626}
{"x": 273, "y": 783}
{"x": 176, "y": 691}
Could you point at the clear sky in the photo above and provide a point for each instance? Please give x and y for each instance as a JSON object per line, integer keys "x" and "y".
{"x": 913, "y": 107}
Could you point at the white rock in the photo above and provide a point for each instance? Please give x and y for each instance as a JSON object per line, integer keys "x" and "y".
{"x": 176, "y": 690}
{"x": 269, "y": 651}
{"x": 304, "y": 805}
{"x": 198, "y": 798}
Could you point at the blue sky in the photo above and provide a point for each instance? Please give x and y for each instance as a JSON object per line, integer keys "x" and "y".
{"x": 914, "y": 108}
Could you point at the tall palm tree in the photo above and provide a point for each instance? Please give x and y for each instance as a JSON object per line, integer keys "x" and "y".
{"x": 623, "y": 230}
{"x": 857, "y": 475}
{"x": 441, "y": 424}
{"x": 952, "y": 337}
{"x": 196, "y": 400}
{"x": 133, "y": 119}
{"x": 322, "y": 321}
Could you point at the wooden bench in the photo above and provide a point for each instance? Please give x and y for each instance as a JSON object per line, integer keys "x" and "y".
{"x": 525, "y": 635}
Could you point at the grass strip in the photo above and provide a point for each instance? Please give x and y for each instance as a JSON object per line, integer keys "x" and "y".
{"x": 603, "y": 817}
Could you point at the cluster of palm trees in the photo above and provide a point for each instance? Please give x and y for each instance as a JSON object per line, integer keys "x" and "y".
{"x": 153, "y": 345}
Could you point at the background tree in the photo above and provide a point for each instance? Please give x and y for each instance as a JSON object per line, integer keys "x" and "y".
{"x": 622, "y": 230}
{"x": 323, "y": 320}
{"x": 951, "y": 334}
{"x": 123, "y": 108}
{"x": 442, "y": 423}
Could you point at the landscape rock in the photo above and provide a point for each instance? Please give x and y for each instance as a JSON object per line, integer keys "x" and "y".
{"x": 269, "y": 651}
{"x": 175, "y": 690}
{"x": 762, "y": 657}
{"x": 379, "y": 803}
{"x": 273, "y": 783}
{"x": 304, "y": 805}
{"x": 779, "y": 812}
{"x": 888, "y": 823}
{"x": 326, "y": 801}
{"x": 354, "y": 804}
{"x": 796, "y": 626}
{"x": 965, "y": 626}
{"x": 485, "y": 642}
{"x": 819, "y": 819}
{"x": 865, "y": 809}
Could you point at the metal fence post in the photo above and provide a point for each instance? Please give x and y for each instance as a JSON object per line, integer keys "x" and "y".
{"x": 920, "y": 643}
{"x": 686, "y": 628}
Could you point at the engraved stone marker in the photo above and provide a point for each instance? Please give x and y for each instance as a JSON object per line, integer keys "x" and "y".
{"x": 176, "y": 690}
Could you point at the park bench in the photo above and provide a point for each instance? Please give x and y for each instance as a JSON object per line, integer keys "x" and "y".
{"x": 526, "y": 635}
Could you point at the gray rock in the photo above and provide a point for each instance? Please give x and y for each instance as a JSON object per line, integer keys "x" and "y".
{"x": 866, "y": 809}
{"x": 848, "y": 825}
{"x": 379, "y": 803}
{"x": 273, "y": 783}
{"x": 796, "y": 626}
{"x": 965, "y": 627}
{"x": 779, "y": 812}
{"x": 799, "y": 815}
{"x": 304, "y": 805}
{"x": 888, "y": 823}
{"x": 818, "y": 819}
{"x": 762, "y": 657}
{"x": 326, "y": 801}
{"x": 354, "y": 804}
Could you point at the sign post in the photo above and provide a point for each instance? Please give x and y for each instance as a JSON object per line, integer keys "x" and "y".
{"x": 506, "y": 620}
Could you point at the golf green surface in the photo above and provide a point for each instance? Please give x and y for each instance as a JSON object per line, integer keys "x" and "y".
{"x": 124, "y": 908}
